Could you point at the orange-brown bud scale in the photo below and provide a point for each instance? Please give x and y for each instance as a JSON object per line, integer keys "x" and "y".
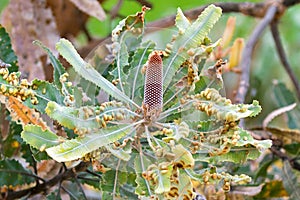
{"x": 153, "y": 91}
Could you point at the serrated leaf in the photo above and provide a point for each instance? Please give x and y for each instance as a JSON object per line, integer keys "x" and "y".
{"x": 181, "y": 21}
{"x": 119, "y": 153}
{"x": 246, "y": 139}
{"x": 14, "y": 174}
{"x": 58, "y": 67}
{"x": 70, "y": 117}
{"x": 22, "y": 114}
{"x": 140, "y": 165}
{"x": 191, "y": 38}
{"x": 163, "y": 178}
{"x": 39, "y": 138}
{"x": 236, "y": 155}
{"x": 7, "y": 55}
{"x": 44, "y": 92}
{"x": 213, "y": 104}
{"x": 67, "y": 50}
{"x": 183, "y": 157}
{"x": 78, "y": 147}
{"x": 185, "y": 186}
{"x": 83, "y": 117}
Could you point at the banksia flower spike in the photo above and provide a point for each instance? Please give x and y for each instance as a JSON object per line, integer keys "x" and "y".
{"x": 153, "y": 91}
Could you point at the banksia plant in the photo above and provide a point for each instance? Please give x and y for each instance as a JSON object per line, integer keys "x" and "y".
{"x": 153, "y": 91}
{"x": 164, "y": 129}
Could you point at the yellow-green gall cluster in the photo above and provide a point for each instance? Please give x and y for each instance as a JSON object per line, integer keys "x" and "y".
{"x": 22, "y": 90}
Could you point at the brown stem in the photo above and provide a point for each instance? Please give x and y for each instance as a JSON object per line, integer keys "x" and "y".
{"x": 145, "y": 3}
{"x": 283, "y": 58}
{"x": 46, "y": 185}
{"x": 247, "y": 54}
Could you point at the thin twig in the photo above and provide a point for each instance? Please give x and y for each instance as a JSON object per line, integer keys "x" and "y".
{"x": 68, "y": 192}
{"x": 247, "y": 54}
{"x": 80, "y": 187}
{"x": 115, "y": 10}
{"x": 93, "y": 173}
{"x": 145, "y": 3}
{"x": 58, "y": 190}
{"x": 283, "y": 57}
{"x": 116, "y": 179}
{"x": 88, "y": 179}
{"x": 23, "y": 173}
{"x": 48, "y": 184}
{"x": 34, "y": 165}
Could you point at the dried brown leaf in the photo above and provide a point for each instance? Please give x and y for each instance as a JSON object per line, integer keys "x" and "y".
{"x": 22, "y": 114}
{"x": 288, "y": 135}
{"x": 90, "y": 7}
{"x": 276, "y": 113}
{"x": 29, "y": 21}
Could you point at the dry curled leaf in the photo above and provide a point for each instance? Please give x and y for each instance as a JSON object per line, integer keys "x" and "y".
{"x": 29, "y": 21}
{"x": 91, "y": 7}
{"x": 228, "y": 33}
{"x": 276, "y": 113}
{"x": 22, "y": 114}
{"x": 235, "y": 53}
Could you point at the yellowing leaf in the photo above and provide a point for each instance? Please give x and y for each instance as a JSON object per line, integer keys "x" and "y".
{"x": 235, "y": 54}
{"x": 228, "y": 33}
{"x": 22, "y": 114}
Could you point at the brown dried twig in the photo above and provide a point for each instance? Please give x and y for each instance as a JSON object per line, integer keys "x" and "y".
{"x": 283, "y": 58}
{"x": 247, "y": 54}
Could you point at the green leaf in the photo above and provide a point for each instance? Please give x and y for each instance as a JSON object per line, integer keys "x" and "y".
{"x": 290, "y": 181}
{"x": 284, "y": 97}
{"x": 183, "y": 157}
{"x": 119, "y": 153}
{"x": 163, "y": 177}
{"x": 58, "y": 67}
{"x": 125, "y": 184}
{"x": 213, "y": 104}
{"x": 191, "y": 38}
{"x": 67, "y": 50}
{"x": 53, "y": 195}
{"x": 44, "y": 92}
{"x": 246, "y": 139}
{"x": 185, "y": 186}
{"x": 136, "y": 79}
{"x": 141, "y": 163}
{"x": 181, "y": 21}
{"x": 14, "y": 174}
{"x": 80, "y": 146}
{"x": 87, "y": 116}
{"x": 272, "y": 189}
{"x": 7, "y": 54}
{"x": 38, "y": 138}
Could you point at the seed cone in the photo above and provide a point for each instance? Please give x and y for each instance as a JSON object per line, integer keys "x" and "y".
{"x": 153, "y": 91}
